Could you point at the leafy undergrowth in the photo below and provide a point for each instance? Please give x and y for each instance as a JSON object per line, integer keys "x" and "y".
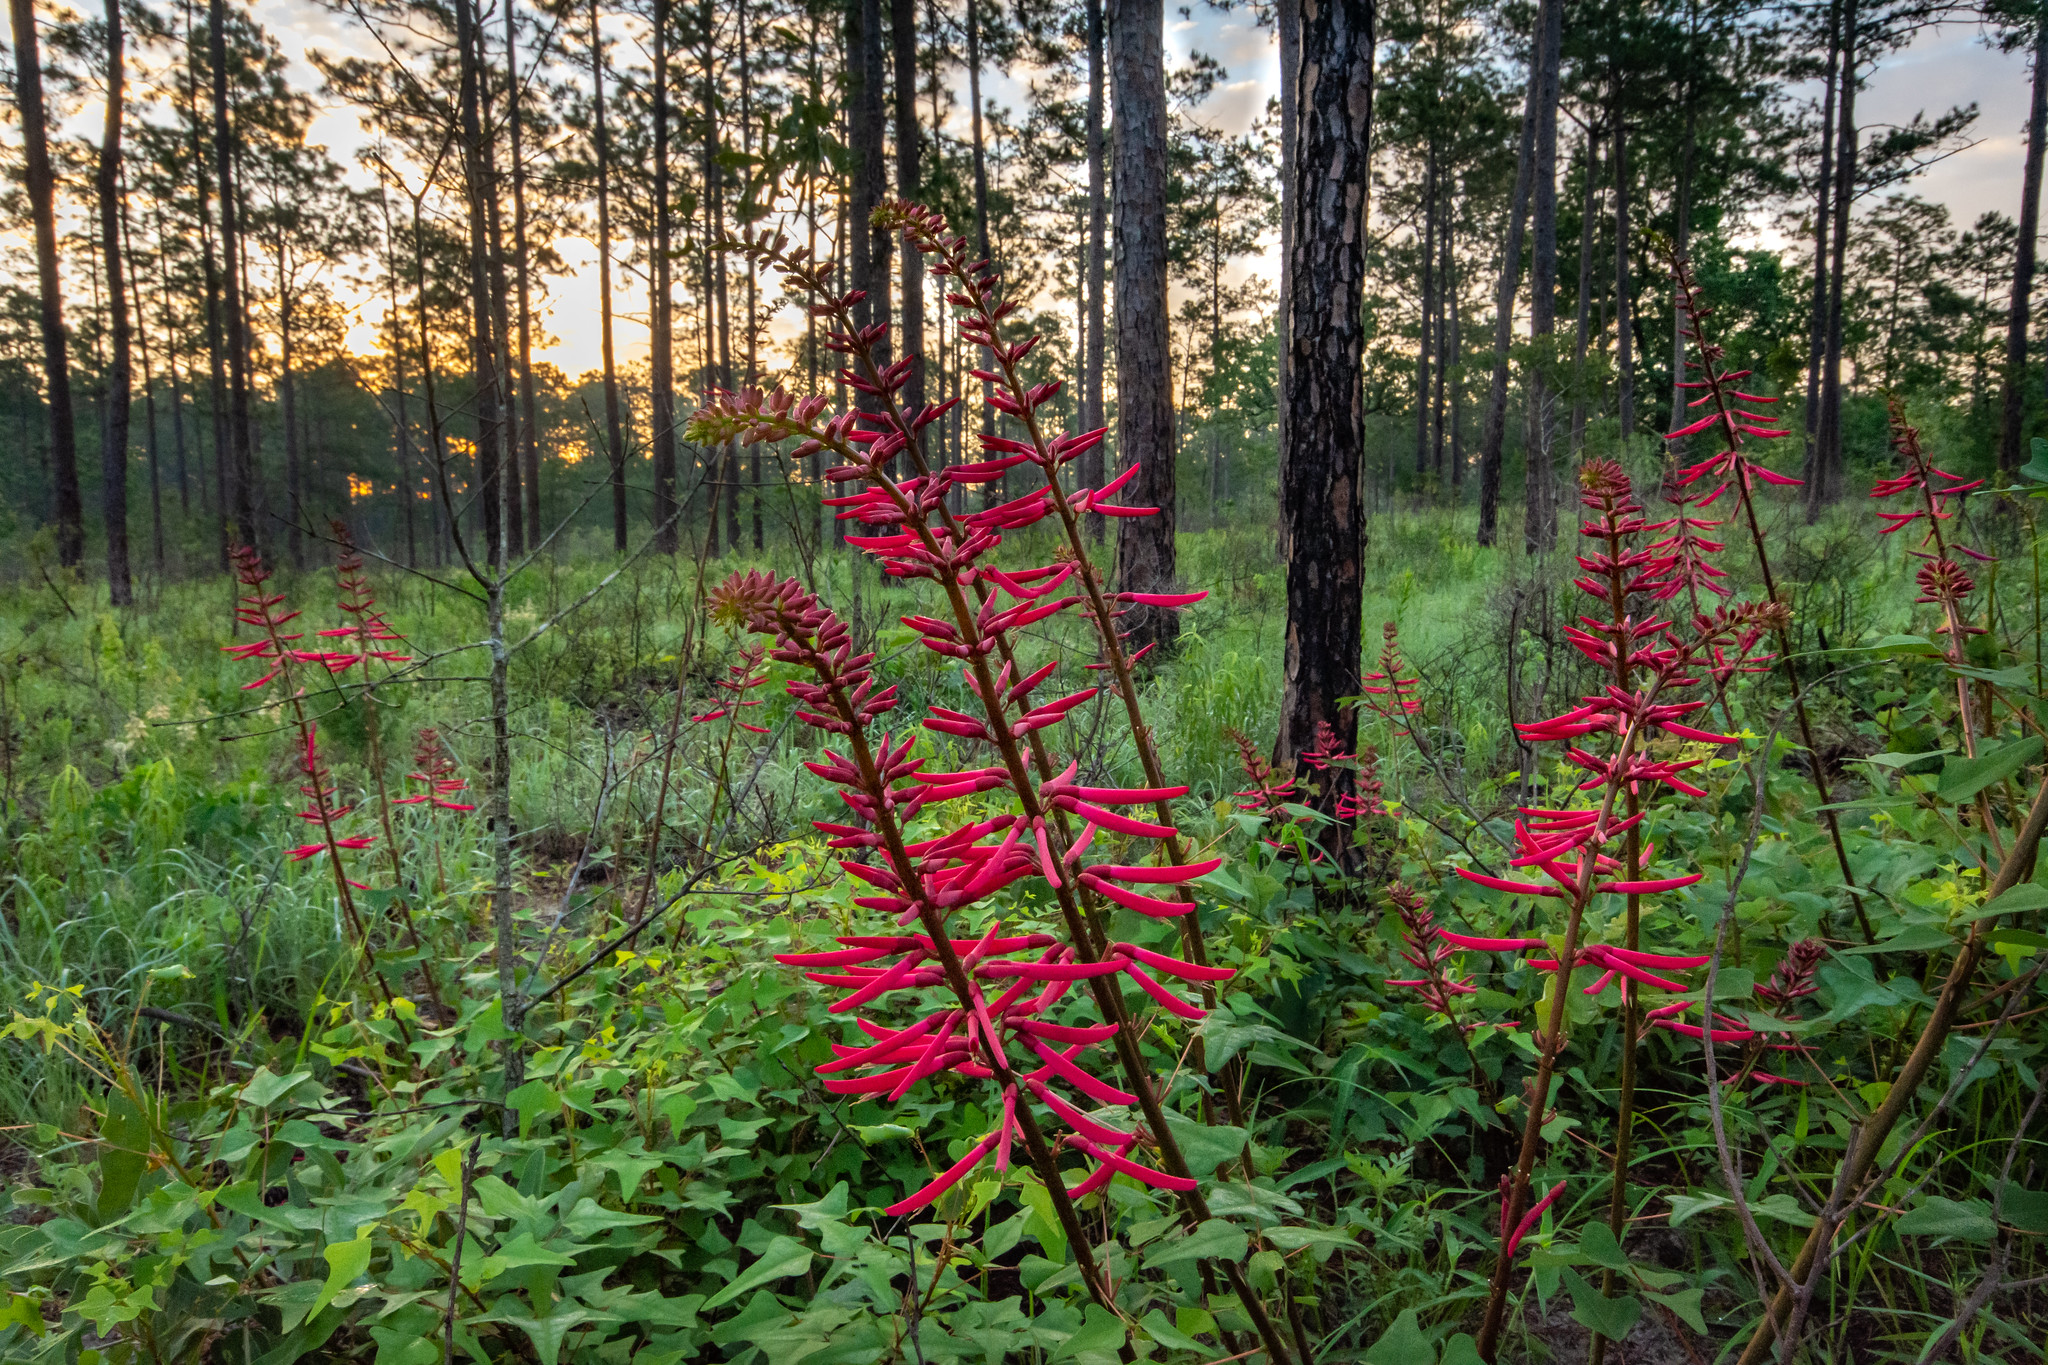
{"x": 343, "y": 1099}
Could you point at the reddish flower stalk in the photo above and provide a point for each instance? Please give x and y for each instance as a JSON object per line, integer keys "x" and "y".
{"x": 1734, "y": 469}
{"x": 1648, "y": 661}
{"x": 1427, "y": 952}
{"x": 434, "y": 769}
{"x": 368, "y": 634}
{"x": 922, "y": 539}
{"x": 1390, "y": 691}
{"x": 925, "y": 882}
{"x": 1943, "y": 581}
{"x": 276, "y": 651}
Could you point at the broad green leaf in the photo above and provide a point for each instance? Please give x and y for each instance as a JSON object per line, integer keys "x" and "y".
{"x": 19, "y": 1310}
{"x": 1044, "y": 1223}
{"x": 346, "y": 1261}
{"x": 1215, "y": 1240}
{"x": 1903, "y": 644}
{"x": 1323, "y": 1240}
{"x": 1160, "y": 1330}
{"x": 1685, "y": 1303}
{"x": 1598, "y": 1242}
{"x": 1206, "y": 1146}
{"x": 534, "y": 1098}
{"x": 124, "y": 1155}
{"x": 2026, "y": 1210}
{"x": 1963, "y": 778}
{"x": 589, "y": 1218}
{"x": 1101, "y": 1332}
{"x": 2020, "y": 899}
{"x": 1914, "y": 938}
{"x": 265, "y": 1089}
{"x": 830, "y": 1209}
{"x": 1611, "y": 1318}
{"x": 783, "y": 1257}
{"x": 1935, "y": 1216}
{"x": 1461, "y": 1350}
{"x": 1402, "y": 1344}
{"x": 2036, "y": 469}
{"x": 546, "y": 1333}
{"x": 521, "y": 1252}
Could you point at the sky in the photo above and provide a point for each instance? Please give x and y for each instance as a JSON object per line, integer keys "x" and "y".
{"x": 1945, "y": 66}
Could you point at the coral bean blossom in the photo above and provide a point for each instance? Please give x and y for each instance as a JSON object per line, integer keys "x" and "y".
{"x": 1048, "y": 819}
{"x": 1653, "y": 667}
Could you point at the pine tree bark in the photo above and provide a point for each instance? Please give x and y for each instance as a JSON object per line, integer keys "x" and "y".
{"x": 909, "y": 186}
{"x": 1092, "y": 473}
{"x": 661, "y": 312}
{"x": 1287, "y": 23}
{"x": 511, "y": 501}
{"x": 614, "y": 435}
{"x": 287, "y": 408}
{"x": 871, "y": 249}
{"x": 1322, "y": 508}
{"x": 1823, "y": 218}
{"x": 241, "y": 446}
{"x": 1582, "y": 334}
{"x": 2013, "y": 407}
{"x": 529, "y": 427}
{"x": 1624, "y": 334}
{"x": 1425, "y": 326}
{"x": 1493, "y": 435}
{"x": 1826, "y": 483}
{"x": 151, "y": 434}
{"x": 1144, "y": 359}
{"x": 1539, "y": 496}
{"x": 42, "y": 197}
{"x": 993, "y": 491}
{"x": 120, "y": 377}
{"x": 483, "y": 346}
{"x": 216, "y": 339}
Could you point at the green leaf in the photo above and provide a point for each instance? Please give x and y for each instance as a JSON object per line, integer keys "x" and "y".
{"x": 831, "y": 1209}
{"x": 1157, "y": 1327}
{"x": 1205, "y": 1146}
{"x": 589, "y": 1218}
{"x": 1215, "y": 1240}
{"x": 264, "y": 1089}
{"x": 547, "y": 1333}
{"x": 1045, "y": 1223}
{"x": 1461, "y": 1350}
{"x": 535, "y": 1097}
{"x": 2036, "y": 469}
{"x": 1611, "y": 1318}
{"x": 1914, "y": 938}
{"x": 2026, "y": 896}
{"x": 346, "y": 1261}
{"x": 1938, "y": 1217}
{"x": 1963, "y": 778}
{"x": 1324, "y": 1240}
{"x": 1903, "y": 644}
{"x": 518, "y": 1254}
{"x": 1101, "y": 1332}
{"x": 19, "y": 1310}
{"x": 1402, "y": 1344}
{"x": 124, "y": 1155}
{"x": 783, "y": 1257}
{"x": 1598, "y": 1242}
{"x": 2026, "y": 1210}
{"x": 1685, "y": 1303}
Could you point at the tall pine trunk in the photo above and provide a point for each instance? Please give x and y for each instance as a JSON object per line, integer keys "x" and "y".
{"x": 614, "y": 435}
{"x": 1624, "y": 336}
{"x": 240, "y": 454}
{"x": 1322, "y": 507}
{"x": 1493, "y": 435}
{"x": 1823, "y": 222}
{"x": 120, "y": 379}
{"x": 1287, "y": 22}
{"x": 151, "y": 432}
{"x": 993, "y": 491}
{"x": 661, "y": 314}
{"x": 1144, "y": 359}
{"x": 1582, "y": 333}
{"x": 1092, "y": 472}
{"x": 2013, "y": 408}
{"x": 1539, "y": 495}
{"x": 511, "y": 502}
{"x": 529, "y": 428}
{"x": 287, "y": 406}
{"x": 910, "y": 186}
{"x": 1425, "y": 340}
{"x": 483, "y": 347}
{"x": 42, "y": 198}
{"x": 1826, "y": 482}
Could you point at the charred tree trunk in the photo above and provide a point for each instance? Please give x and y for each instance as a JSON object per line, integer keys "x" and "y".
{"x": 661, "y": 315}
{"x": 1823, "y": 219}
{"x": 483, "y": 346}
{"x": 1092, "y": 472}
{"x": 241, "y": 447}
{"x": 614, "y": 436}
{"x": 1322, "y": 508}
{"x": 2013, "y": 411}
{"x": 1539, "y": 496}
{"x": 1493, "y": 436}
{"x": 909, "y": 186}
{"x": 120, "y": 375}
{"x": 1624, "y": 321}
{"x": 1144, "y": 358}
{"x": 1826, "y": 484}
{"x": 1287, "y": 23}
{"x": 529, "y": 428}
{"x": 42, "y": 197}
{"x": 511, "y": 502}
{"x": 1425, "y": 328}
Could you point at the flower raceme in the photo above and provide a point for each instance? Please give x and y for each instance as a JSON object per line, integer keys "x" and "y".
{"x": 434, "y": 769}
{"x": 1001, "y": 985}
